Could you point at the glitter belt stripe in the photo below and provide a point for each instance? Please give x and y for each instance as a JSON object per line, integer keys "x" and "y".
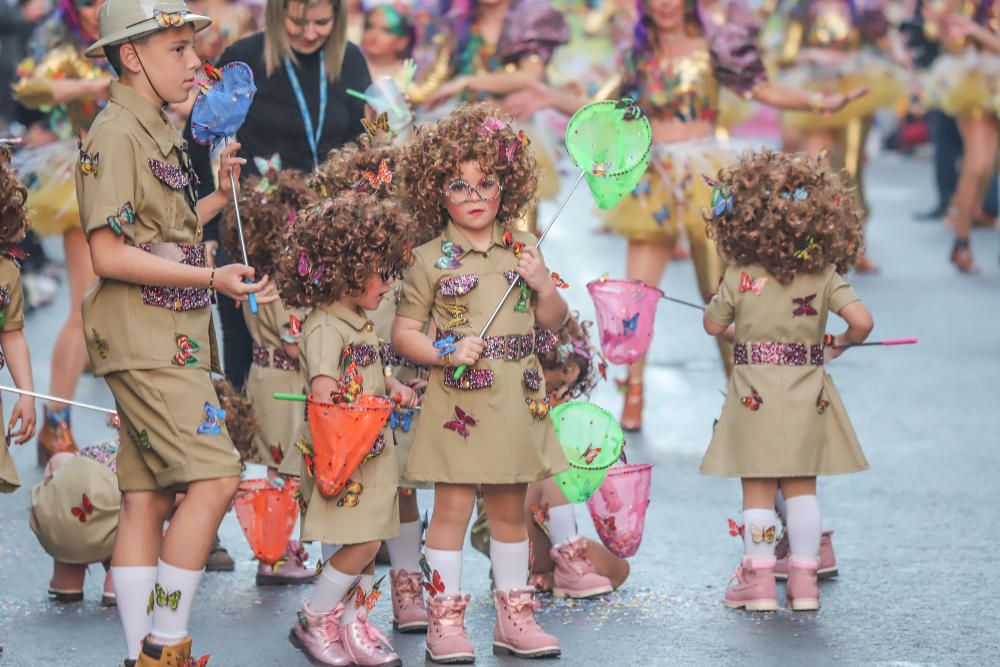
{"x": 778, "y": 354}
{"x": 273, "y": 358}
{"x": 509, "y": 348}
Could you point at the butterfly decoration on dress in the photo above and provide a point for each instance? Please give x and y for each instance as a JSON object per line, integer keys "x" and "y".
{"x": 632, "y": 110}
{"x": 803, "y": 306}
{"x": 590, "y": 454}
{"x": 735, "y": 529}
{"x": 187, "y": 346}
{"x": 294, "y": 330}
{"x": 461, "y": 423}
{"x": 643, "y": 189}
{"x": 125, "y": 216}
{"x": 630, "y": 324}
{"x": 722, "y": 199}
{"x": 600, "y": 169}
{"x": 821, "y": 403}
{"x": 457, "y": 312}
{"x": 559, "y": 282}
{"x": 114, "y": 422}
{"x": 490, "y": 126}
{"x": 98, "y": 344}
{"x": 306, "y": 268}
{"x": 352, "y": 494}
{"x": 213, "y": 419}
{"x": 662, "y": 216}
{"x": 538, "y": 407}
{"x": 445, "y": 346}
{"x": 88, "y": 162}
{"x": 375, "y": 180}
{"x": 349, "y": 386}
{"x": 167, "y": 19}
{"x": 400, "y": 420}
{"x": 85, "y": 509}
{"x": 268, "y": 169}
{"x": 805, "y": 253}
{"x": 276, "y": 455}
{"x": 524, "y": 295}
{"x": 140, "y": 438}
{"x": 432, "y": 580}
{"x": 799, "y": 194}
{"x": 450, "y": 252}
{"x": 380, "y": 124}
{"x": 371, "y": 599}
{"x": 509, "y": 149}
{"x": 748, "y": 284}
{"x": 164, "y": 599}
{"x": 514, "y": 246}
{"x": 753, "y": 401}
{"x": 13, "y": 253}
{"x": 308, "y": 455}
{"x": 762, "y": 535}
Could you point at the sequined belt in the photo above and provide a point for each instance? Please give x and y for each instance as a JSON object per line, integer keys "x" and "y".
{"x": 273, "y": 358}
{"x": 513, "y": 347}
{"x": 777, "y": 354}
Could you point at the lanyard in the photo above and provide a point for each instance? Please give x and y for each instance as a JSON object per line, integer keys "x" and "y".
{"x": 312, "y": 135}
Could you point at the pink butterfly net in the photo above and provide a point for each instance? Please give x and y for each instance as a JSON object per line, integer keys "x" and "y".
{"x": 626, "y": 310}
{"x": 619, "y": 508}
{"x": 267, "y": 514}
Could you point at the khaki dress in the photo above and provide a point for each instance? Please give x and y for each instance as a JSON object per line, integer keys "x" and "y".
{"x": 12, "y": 314}
{"x": 274, "y": 371}
{"x": 154, "y": 346}
{"x": 782, "y": 416}
{"x": 482, "y": 428}
{"x": 327, "y": 332}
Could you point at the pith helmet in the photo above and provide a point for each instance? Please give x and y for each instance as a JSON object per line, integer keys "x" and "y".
{"x": 120, "y": 19}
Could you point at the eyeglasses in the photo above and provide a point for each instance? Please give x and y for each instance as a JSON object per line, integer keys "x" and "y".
{"x": 459, "y": 191}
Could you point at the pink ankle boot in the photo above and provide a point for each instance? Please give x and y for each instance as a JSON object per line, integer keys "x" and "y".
{"x": 447, "y": 642}
{"x": 318, "y": 636}
{"x": 827, "y": 558}
{"x": 366, "y": 646}
{"x": 754, "y": 589}
{"x": 290, "y": 569}
{"x": 803, "y": 588}
{"x": 516, "y": 632}
{"x": 408, "y": 611}
{"x": 575, "y": 576}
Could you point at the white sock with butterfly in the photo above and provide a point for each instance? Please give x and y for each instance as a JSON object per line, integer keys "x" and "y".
{"x": 332, "y": 587}
{"x": 448, "y": 565}
{"x": 805, "y": 527}
{"x": 351, "y": 607}
{"x": 132, "y": 587}
{"x": 173, "y": 596}
{"x": 760, "y": 533}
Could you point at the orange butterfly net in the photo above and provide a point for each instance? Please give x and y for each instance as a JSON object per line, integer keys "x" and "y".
{"x": 267, "y": 511}
{"x": 343, "y": 434}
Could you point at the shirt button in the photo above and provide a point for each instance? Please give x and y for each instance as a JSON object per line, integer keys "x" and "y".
{"x": 369, "y": 327}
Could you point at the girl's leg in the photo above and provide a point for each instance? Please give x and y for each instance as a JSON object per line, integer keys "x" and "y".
{"x": 980, "y": 137}
{"x": 541, "y": 563}
{"x": 752, "y": 586}
{"x": 340, "y": 572}
{"x": 66, "y": 584}
{"x": 805, "y": 529}
{"x": 408, "y": 611}
{"x": 453, "y": 505}
{"x": 645, "y": 262}
{"x": 361, "y": 642}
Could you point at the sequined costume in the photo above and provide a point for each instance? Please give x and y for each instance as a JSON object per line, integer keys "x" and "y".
{"x": 56, "y": 51}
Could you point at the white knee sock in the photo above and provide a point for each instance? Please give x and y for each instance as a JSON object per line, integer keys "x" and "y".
{"x": 449, "y": 565}
{"x": 132, "y": 587}
{"x": 351, "y": 610}
{"x": 177, "y": 588}
{"x": 562, "y": 524}
{"x": 331, "y": 589}
{"x": 779, "y": 504}
{"x": 329, "y": 550}
{"x": 760, "y": 533}
{"x": 805, "y": 526}
{"x": 404, "y": 551}
{"x": 510, "y": 564}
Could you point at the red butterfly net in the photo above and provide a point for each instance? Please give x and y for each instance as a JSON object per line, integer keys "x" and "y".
{"x": 267, "y": 514}
{"x": 343, "y": 434}
{"x": 619, "y": 508}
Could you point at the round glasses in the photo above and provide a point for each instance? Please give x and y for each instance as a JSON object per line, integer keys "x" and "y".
{"x": 459, "y": 191}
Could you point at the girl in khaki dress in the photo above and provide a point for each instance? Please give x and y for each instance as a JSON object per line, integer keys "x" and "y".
{"x": 340, "y": 258}
{"x": 472, "y": 176}
{"x": 268, "y": 204}
{"x": 789, "y": 229}
{"x": 13, "y": 346}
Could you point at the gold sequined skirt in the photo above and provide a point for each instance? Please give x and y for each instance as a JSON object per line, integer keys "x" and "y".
{"x": 965, "y": 84}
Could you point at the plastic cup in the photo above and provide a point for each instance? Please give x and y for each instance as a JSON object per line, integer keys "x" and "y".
{"x": 619, "y": 508}
{"x": 626, "y": 312}
{"x": 592, "y": 441}
{"x": 385, "y": 97}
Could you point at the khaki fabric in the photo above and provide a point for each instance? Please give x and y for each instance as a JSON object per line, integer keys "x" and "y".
{"x": 123, "y": 327}
{"x": 61, "y": 532}
{"x": 161, "y": 411}
{"x": 12, "y": 307}
{"x": 507, "y": 444}
{"x": 789, "y": 435}
{"x": 9, "y": 481}
{"x": 326, "y": 333}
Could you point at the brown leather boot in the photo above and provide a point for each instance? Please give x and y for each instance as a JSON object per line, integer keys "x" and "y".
{"x": 171, "y": 655}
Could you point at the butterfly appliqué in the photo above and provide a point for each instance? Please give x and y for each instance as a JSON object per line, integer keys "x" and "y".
{"x": 509, "y": 149}
{"x": 450, "y": 252}
{"x": 163, "y": 599}
{"x": 139, "y": 438}
{"x": 539, "y": 408}
{"x": 308, "y": 455}
{"x": 735, "y": 529}
{"x": 630, "y": 324}
{"x": 213, "y": 418}
{"x": 294, "y": 330}
{"x": 277, "y": 455}
{"x": 722, "y": 199}
{"x": 432, "y": 580}
{"x": 352, "y": 494}
{"x": 371, "y": 599}
{"x": 559, "y": 282}
{"x": 85, "y": 509}
{"x": 763, "y": 535}
{"x": 590, "y": 454}
{"x": 169, "y": 174}
{"x": 305, "y": 268}
{"x": 457, "y": 313}
{"x": 88, "y": 162}
{"x": 125, "y": 216}
{"x": 821, "y": 403}
{"x": 753, "y": 401}
{"x": 748, "y": 284}
{"x": 462, "y": 423}
{"x": 803, "y": 306}
{"x": 98, "y": 344}
{"x": 490, "y": 126}
{"x": 524, "y": 295}
{"x": 380, "y": 124}
{"x": 377, "y": 179}
{"x": 186, "y": 347}
{"x": 514, "y": 246}
{"x": 400, "y": 420}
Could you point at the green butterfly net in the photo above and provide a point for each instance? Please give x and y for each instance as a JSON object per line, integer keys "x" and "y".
{"x": 592, "y": 441}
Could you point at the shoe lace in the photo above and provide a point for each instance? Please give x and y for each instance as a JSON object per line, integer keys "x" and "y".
{"x": 298, "y": 552}
{"x": 449, "y": 615}
{"x": 329, "y": 625}
{"x": 575, "y": 553}
{"x": 522, "y": 610}
{"x": 408, "y": 588}
{"x": 370, "y": 634}
{"x": 740, "y": 574}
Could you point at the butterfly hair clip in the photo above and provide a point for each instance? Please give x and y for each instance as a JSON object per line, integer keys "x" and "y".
{"x": 489, "y": 127}
{"x": 722, "y": 198}
{"x": 560, "y": 283}
{"x": 509, "y": 149}
{"x": 462, "y": 423}
{"x": 375, "y": 180}
{"x": 805, "y": 253}
{"x": 380, "y": 124}
{"x": 213, "y": 420}
{"x": 307, "y": 269}
{"x": 799, "y": 194}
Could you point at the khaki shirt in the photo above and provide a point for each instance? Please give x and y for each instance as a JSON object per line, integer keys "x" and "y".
{"x": 140, "y": 189}
{"x": 326, "y": 333}
{"x": 271, "y": 322}
{"x": 11, "y": 296}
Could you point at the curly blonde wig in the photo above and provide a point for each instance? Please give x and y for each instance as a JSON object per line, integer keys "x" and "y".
{"x": 436, "y": 152}
{"x": 334, "y": 246}
{"x": 13, "y": 202}
{"x": 268, "y": 206}
{"x": 789, "y": 213}
{"x": 241, "y": 422}
{"x": 573, "y": 348}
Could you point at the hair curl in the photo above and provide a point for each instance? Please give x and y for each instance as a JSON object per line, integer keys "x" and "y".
{"x": 334, "y": 246}
{"x": 265, "y": 216}
{"x": 437, "y": 150}
{"x": 241, "y": 421}
{"x": 564, "y": 354}
{"x": 790, "y": 214}
{"x": 13, "y": 202}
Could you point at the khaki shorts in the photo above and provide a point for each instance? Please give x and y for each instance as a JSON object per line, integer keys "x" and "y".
{"x": 162, "y": 411}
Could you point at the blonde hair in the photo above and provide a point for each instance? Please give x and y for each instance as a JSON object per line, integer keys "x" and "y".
{"x": 277, "y": 48}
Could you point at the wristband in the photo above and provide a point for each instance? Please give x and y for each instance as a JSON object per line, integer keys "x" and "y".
{"x": 211, "y": 280}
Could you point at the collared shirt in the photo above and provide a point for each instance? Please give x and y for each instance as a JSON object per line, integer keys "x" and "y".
{"x": 331, "y": 329}
{"x": 133, "y": 177}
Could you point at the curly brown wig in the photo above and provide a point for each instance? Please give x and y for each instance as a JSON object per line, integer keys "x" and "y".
{"x": 573, "y": 347}
{"x": 13, "y": 202}
{"x": 437, "y": 150}
{"x": 241, "y": 422}
{"x": 334, "y": 246}
{"x": 789, "y": 213}
{"x": 268, "y": 205}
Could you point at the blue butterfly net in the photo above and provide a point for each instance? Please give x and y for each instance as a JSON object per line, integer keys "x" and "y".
{"x": 222, "y": 107}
